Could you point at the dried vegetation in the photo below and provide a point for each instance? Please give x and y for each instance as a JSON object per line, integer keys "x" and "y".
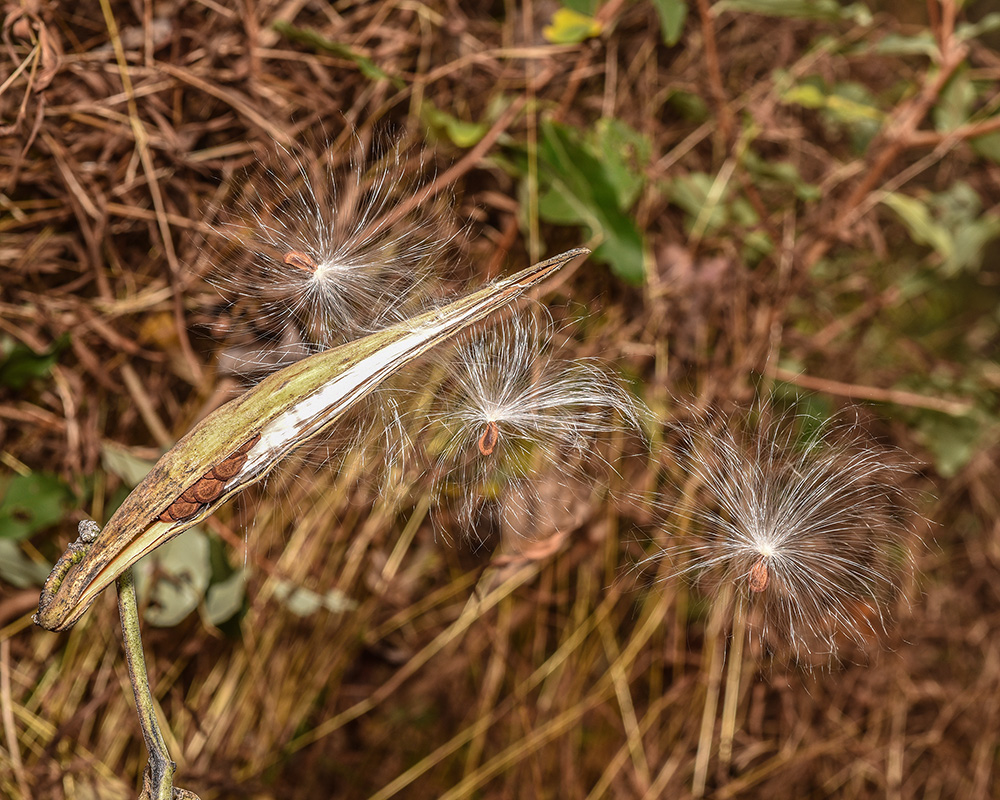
{"x": 791, "y": 180}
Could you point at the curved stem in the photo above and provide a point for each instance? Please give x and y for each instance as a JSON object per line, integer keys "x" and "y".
{"x": 158, "y": 779}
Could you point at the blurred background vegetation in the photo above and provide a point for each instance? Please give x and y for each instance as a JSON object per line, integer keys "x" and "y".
{"x": 797, "y": 197}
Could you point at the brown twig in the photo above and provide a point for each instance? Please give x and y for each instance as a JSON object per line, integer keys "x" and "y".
{"x": 954, "y": 408}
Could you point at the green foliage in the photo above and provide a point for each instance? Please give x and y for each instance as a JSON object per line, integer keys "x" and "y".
{"x": 303, "y": 602}
{"x": 803, "y": 9}
{"x": 952, "y": 441}
{"x": 365, "y": 65}
{"x": 951, "y": 222}
{"x": 846, "y": 106}
{"x": 172, "y": 580}
{"x": 445, "y": 126}
{"x": 19, "y": 364}
{"x": 592, "y": 179}
{"x": 779, "y": 176}
{"x": 571, "y": 27}
{"x": 714, "y": 209}
{"x": 31, "y": 503}
{"x": 673, "y": 14}
{"x": 19, "y": 570}
{"x": 966, "y": 101}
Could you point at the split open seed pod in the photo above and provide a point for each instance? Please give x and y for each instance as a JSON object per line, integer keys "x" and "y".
{"x": 239, "y": 443}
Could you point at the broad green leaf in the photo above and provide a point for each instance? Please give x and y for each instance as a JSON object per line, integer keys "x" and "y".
{"x": 624, "y": 153}
{"x": 19, "y": 570}
{"x": 225, "y": 599}
{"x": 952, "y": 223}
{"x": 579, "y": 186}
{"x": 31, "y": 503}
{"x": 171, "y": 582}
{"x": 960, "y": 211}
{"x": 571, "y": 27}
{"x": 19, "y": 364}
{"x": 673, "y": 14}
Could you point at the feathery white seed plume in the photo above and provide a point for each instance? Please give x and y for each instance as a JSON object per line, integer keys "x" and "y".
{"x": 513, "y": 424}
{"x": 335, "y": 257}
{"x": 805, "y": 531}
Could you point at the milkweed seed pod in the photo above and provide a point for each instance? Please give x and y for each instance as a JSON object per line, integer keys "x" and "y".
{"x": 512, "y": 422}
{"x": 241, "y": 442}
{"x": 806, "y": 522}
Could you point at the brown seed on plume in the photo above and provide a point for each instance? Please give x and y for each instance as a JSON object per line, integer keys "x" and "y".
{"x": 488, "y": 441}
{"x": 759, "y": 575}
{"x": 301, "y": 260}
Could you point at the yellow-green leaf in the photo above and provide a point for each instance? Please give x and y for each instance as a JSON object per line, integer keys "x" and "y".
{"x": 571, "y": 27}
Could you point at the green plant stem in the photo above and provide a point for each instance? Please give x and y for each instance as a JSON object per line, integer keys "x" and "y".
{"x": 158, "y": 778}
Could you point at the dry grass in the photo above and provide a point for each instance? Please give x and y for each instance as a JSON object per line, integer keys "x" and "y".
{"x": 545, "y": 675}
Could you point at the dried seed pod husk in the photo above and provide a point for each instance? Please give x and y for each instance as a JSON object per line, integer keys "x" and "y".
{"x": 275, "y": 417}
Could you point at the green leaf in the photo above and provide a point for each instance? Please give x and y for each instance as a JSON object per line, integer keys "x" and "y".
{"x": 987, "y": 146}
{"x": 31, "y": 503}
{"x": 780, "y": 174}
{"x": 571, "y": 27}
{"x": 173, "y": 580}
{"x": 19, "y": 570}
{"x": 365, "y": 65}
{"x": 580, "y": 187}
{"x": 895, "y": 44}
{"x": 952, "y": 223}
{"x": 954, "y": 104}
{"x": 225, "y": 599}
{"x": 917, "y": 218}
{"x": 624, "y": 153}
{"x": 953, "y": 441}
{"x": 989, "y": 23}
{"x": 19, "y": 364}
{"x": 803, "y": 9}
{"x": 461, "y": 133}
{"x": 588, "y": 7}
{"x": 691, "y": 193}
{"x": 673, "y": 14}
{"x": 120, "y": 461}
{"x": 303, "y": 602}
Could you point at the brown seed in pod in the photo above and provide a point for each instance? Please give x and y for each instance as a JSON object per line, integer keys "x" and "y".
{"x": 180, "y": 509}
{"x": 204, "y": 491}
{"x": 225, "y": 470}
{"x": 245, "y": 447}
